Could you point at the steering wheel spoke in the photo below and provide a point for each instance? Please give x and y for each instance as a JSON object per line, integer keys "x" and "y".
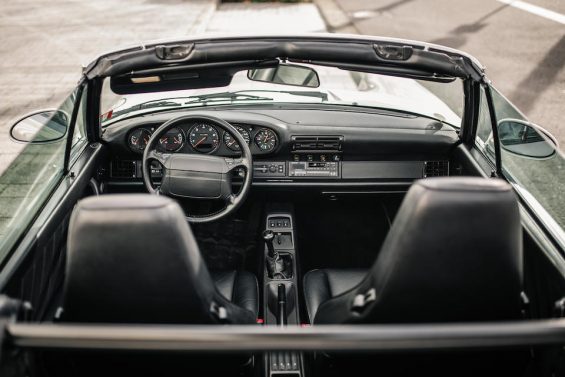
{"x": 236, "y": 163}
{"x": 230, "y": 199}
{"x": 158, "y": 156}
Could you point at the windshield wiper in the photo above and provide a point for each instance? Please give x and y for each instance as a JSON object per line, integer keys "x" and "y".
{"x": 214, "y": 97}
{"x": 302, "y": 93}
{"x": 145, "y": 105}
{"x": 231, "y": 96}
{"x": 180, "y": 101}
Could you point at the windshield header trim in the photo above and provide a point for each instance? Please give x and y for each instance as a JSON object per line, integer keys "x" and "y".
{"x": 345, "y": 49}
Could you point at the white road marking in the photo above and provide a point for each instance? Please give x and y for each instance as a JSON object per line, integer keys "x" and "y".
{"x": 534, "y": 9}
{"x": 360, "y": 14}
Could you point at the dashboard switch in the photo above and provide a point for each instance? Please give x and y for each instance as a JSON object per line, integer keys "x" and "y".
{"x": 269, "y": 169}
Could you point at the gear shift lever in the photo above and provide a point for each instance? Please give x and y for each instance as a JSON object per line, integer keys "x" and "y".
{"x": 275, "y": 264}
{"x": 268, "y": 237}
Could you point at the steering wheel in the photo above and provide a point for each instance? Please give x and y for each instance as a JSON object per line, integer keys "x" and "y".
{"x": 198, "y": 176}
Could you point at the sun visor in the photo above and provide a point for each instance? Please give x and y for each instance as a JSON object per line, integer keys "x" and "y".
{"x": 158, "y": 82}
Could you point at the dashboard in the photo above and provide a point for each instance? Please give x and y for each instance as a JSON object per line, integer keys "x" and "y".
{"x": 294, "y": 147}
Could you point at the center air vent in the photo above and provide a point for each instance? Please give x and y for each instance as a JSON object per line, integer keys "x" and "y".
{"x": 317, "y": 143}
{"x": 123, "y": 169}
{"x": 436, "y": 169}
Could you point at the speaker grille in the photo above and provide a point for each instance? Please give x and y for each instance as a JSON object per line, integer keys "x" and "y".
{"x": 436, "y": 169}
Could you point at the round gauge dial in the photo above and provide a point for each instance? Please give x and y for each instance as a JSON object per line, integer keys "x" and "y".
{"x": 172, "y": 140}
{"x": 266, "y": 140}
{"x": 232, "y": 143}
{"x": 204, "y": 138}
{"x": 138, "y": 139}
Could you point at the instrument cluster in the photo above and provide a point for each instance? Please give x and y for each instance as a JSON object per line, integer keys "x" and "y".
{"x": 202, "y": 137}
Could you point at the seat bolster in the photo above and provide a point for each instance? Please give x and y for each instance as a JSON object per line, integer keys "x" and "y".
{"x": 238, "y": 287}
{"x": 224, "y": 281}
{"x": 322, "y": 285}
{"x": 246, "y": 292}
{"x": 316, "y": 291}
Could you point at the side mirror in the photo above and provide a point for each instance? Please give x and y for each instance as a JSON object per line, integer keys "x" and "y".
{"x": 525, "y": 139}
{"x": 43, "y": 126}
{"x": 286, "y": 74}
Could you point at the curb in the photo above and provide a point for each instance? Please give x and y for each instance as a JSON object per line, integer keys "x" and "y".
{"x": 337, "y": 21}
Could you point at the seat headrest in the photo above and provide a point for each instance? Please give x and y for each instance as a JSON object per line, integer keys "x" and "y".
{"x": 453, "y": 253}
{"x": 134, "y": 259}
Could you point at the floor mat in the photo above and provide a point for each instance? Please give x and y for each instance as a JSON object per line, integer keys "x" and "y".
{"x": 230, "y": 244}
{"x": 341, "y": 234}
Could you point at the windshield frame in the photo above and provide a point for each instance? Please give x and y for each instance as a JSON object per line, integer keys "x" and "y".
{"x": 334, "y": 49}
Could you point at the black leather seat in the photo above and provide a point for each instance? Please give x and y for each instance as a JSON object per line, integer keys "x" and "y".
{"x": 133, "y": 259}
{"x": 453, "y": 253}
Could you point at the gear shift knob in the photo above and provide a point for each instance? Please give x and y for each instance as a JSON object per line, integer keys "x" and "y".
{"x": 268, "y": 237}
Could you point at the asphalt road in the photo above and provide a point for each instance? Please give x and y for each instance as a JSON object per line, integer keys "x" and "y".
{"x": 524, "y": 52}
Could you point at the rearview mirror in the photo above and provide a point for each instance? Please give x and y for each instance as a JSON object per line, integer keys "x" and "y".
{"x": 525, "y": 139}
{"x": 286, "y": 74}
{"x": 43, "y": 126}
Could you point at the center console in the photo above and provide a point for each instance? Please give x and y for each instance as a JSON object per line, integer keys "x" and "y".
{"x": 280, "y": 295}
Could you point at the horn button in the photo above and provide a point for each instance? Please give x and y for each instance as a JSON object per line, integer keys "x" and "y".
{"x": 196, "y": 177}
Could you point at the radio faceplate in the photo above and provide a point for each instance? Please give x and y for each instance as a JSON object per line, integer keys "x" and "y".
{"x": 313, "y": 169}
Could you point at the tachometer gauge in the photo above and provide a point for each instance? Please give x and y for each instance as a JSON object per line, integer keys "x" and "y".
{"x": 204, "y": 138}
{"x": 138, "y": 139}
{"x": 232, "y": 143}
{"x": 172, "y": 140}
{"x": 266, "y": 140}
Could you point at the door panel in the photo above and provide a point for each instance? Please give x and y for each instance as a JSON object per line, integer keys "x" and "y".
{"x": 35, "y": 271}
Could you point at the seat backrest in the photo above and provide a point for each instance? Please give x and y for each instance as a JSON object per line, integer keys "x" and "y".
{"x": 453, "y": 254}
{"x": 134, "y": 259}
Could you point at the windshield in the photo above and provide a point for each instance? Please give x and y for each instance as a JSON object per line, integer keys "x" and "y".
{"x": 437, "y": 100}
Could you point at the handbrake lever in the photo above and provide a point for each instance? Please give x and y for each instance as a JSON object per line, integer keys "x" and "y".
{"x": 281, "y": 306}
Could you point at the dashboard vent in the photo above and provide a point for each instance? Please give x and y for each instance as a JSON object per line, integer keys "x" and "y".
{"x": 436, "y": 169}
{"x": 317, "y": 143}
{"x": 123, "y": 169}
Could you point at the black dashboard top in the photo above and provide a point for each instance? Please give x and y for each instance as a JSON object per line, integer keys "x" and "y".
{"x": 364, "y": 133}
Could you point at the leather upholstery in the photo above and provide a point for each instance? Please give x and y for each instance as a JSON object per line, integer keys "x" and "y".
{"x": 322, "y": 285}
{"x": 134, "y": 259}
{"x": 239, "y": 287}
{"x": 453, "y": 253}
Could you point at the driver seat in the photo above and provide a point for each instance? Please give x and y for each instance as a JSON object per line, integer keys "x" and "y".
{"x": 134, "y": 259}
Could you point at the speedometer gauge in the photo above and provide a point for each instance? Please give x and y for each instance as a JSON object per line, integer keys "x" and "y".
{"x": 266, "y": 140}
{"x": 204, "y": 138}
{"x": 232, "y": 143}
{"x": 172, "y": 140}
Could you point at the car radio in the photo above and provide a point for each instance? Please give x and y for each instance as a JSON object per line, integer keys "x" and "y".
{"x": 313, "y": 169}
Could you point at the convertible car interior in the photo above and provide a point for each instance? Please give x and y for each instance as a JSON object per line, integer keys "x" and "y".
{"x": 283, "y": 232}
